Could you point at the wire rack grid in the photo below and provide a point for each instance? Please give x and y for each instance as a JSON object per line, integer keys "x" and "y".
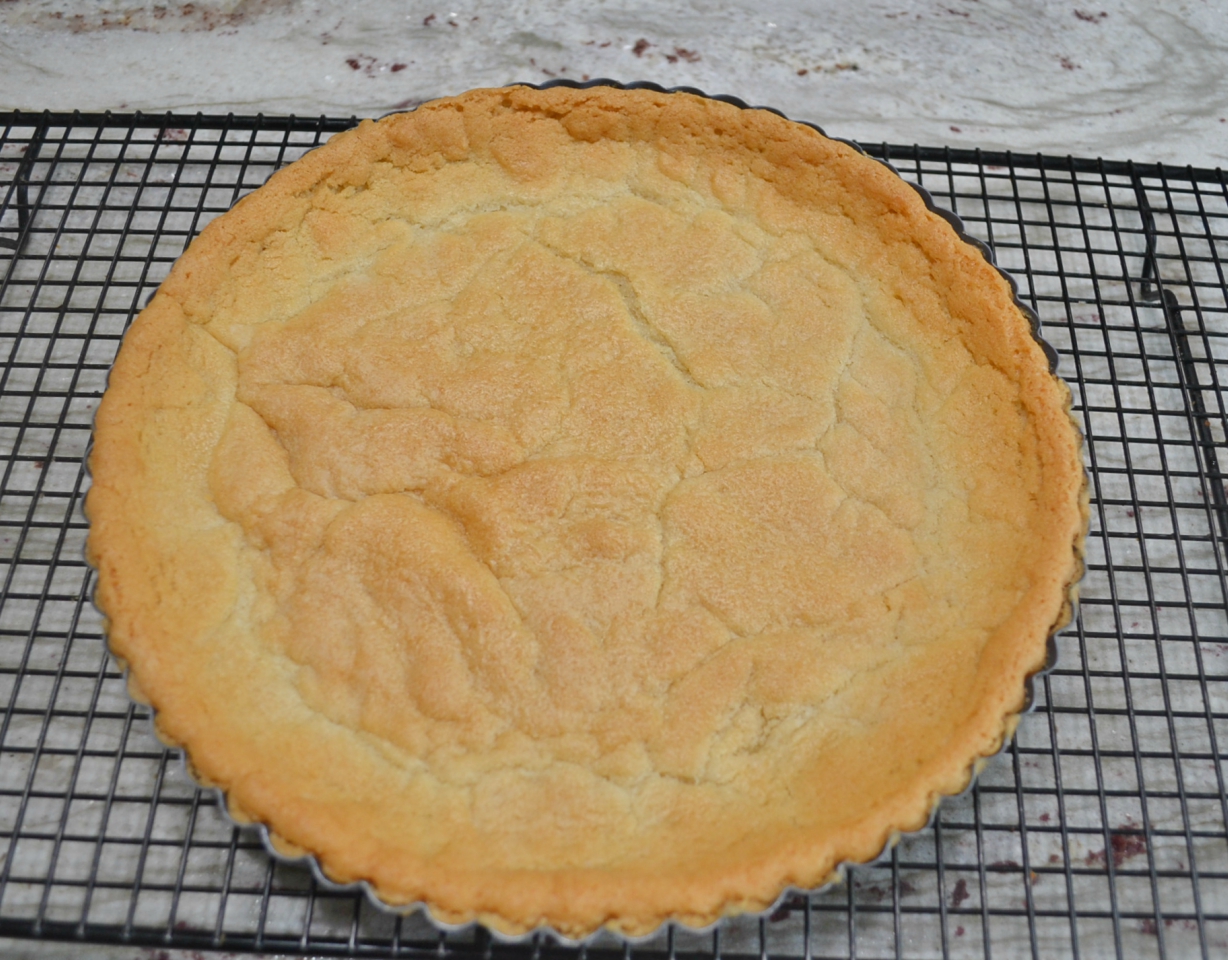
{"x": 1101, "y": 831}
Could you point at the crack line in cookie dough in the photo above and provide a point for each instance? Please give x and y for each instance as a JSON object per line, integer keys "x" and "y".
{"x": 634, "y": 311}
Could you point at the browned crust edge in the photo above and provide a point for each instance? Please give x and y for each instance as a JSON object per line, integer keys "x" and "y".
{"x": 758, "y": 885}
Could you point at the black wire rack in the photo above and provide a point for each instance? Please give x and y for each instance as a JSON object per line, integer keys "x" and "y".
{"x": 1101, "y": 831}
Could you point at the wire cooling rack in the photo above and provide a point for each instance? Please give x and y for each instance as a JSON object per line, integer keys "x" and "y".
{"x": 1102, "y": 831}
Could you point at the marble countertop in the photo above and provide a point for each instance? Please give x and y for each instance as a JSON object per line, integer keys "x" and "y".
{"x": 1124, "y": 79}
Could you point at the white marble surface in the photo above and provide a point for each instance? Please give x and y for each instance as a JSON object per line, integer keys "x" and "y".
{"x": 37, "y": 950}
{"x": 1118, "y": 78}
{"x": 1125, "y": 79}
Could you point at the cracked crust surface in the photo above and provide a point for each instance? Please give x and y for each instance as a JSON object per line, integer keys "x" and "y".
{"x": 583, "y": 507}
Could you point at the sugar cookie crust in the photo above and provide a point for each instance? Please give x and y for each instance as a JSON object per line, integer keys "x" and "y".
{"x": 584, "y": 507}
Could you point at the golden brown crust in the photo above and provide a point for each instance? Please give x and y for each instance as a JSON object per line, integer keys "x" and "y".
{"x": 584, "y": 507}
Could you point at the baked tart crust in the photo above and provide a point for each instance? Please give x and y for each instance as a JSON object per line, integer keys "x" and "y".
{"x": 584, "y": 507}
